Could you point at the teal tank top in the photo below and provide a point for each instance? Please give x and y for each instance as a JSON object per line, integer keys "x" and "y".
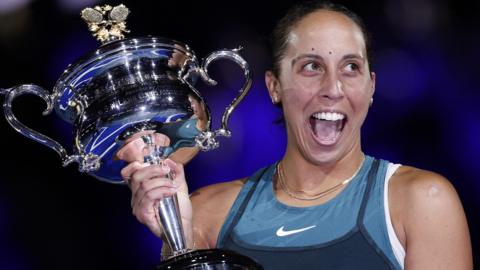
{"x": 347, "y": 232}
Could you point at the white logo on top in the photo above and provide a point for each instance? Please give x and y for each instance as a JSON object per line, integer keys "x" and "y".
{"x": 281, "y": 232}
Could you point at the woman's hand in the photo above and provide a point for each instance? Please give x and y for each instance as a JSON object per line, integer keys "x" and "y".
{"x": 151, "y": 183}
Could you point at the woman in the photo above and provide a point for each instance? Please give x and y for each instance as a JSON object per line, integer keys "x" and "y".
{"x": 325, "y": 203}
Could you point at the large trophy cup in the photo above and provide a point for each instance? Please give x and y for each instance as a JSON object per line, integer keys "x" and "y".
{"x": 135, "y": 85}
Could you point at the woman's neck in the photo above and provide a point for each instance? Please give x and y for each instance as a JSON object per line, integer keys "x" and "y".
{"x": 303, "y": 176}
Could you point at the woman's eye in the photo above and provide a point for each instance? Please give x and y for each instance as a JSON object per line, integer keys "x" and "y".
{"x": 351, "y": 67}
{"x": 312, "y": 66}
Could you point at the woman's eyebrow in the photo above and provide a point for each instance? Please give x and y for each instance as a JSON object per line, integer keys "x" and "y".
{"x": 353, "y": 56}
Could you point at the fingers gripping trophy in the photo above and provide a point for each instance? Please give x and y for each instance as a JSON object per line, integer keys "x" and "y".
{"x": 137, "y": 87}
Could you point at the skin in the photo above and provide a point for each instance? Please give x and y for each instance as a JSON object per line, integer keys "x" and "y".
{"x": 324, "y": 69}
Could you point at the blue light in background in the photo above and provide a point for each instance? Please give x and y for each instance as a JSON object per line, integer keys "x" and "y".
{"x": 400, "y": 78}
{"x": 461, "y": 136}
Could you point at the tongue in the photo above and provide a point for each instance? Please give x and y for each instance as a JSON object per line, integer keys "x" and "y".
{"x": 326, "y": 131}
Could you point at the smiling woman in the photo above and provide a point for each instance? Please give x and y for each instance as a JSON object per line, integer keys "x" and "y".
{"x": 325, "y": 204}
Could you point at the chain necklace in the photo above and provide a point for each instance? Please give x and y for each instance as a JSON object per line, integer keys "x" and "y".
{"x": 283, "y": 185}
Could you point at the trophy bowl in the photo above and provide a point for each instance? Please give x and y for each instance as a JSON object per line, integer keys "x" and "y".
{"x": 124, "y": 87}
{"x": 132, "y": 85}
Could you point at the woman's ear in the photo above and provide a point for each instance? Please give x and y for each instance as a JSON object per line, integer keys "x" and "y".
{"x": 273, "y": 86}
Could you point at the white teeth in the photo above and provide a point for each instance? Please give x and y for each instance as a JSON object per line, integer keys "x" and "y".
{"x": 329, "y": 116}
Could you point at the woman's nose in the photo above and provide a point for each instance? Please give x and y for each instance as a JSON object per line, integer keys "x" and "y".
{"x": 331, "y": 88}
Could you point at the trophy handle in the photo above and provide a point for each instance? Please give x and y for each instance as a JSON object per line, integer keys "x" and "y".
{"x": 207, "y": 140}
{"x": 17, "y": 91}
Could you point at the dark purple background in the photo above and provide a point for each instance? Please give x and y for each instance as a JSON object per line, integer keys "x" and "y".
{"x": 425, "y": 114}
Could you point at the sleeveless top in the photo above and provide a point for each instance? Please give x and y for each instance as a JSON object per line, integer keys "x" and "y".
{"x": 346, "y": 232}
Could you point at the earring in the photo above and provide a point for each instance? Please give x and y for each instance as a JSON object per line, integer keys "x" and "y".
{"x": 371, "y": 101}
{"x": 274, "y": 100}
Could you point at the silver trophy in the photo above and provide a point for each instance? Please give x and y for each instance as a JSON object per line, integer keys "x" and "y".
{"x": 131, "y": 85}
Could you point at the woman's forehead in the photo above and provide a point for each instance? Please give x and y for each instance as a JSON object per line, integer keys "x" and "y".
{"x": 327, "y": 31}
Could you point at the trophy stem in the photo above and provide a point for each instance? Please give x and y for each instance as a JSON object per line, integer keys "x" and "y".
{"x": 168, "y": 212}
{"x": 171, "y": 221}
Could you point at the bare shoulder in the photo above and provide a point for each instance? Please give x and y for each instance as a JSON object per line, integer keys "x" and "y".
{"x": 217, "y": 192}
{"x": 211, "y": 205}
{"x": 417, "y": 184}
{"x": 415, "y": 189}
{"x": 429, "y": 220}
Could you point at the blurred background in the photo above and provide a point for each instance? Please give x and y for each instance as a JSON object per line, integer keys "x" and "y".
{"x": 425, "y": 114}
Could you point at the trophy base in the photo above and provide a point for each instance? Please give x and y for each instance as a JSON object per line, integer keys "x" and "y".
{"x": 210, "y": 259}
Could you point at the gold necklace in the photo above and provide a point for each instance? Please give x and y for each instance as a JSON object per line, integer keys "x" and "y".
{"x": 283, "y": 185}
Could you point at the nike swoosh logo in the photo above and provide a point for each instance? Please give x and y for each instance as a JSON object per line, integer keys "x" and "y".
{"x": 281, "y": 232}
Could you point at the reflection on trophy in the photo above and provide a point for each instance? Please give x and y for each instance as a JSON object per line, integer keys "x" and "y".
{"x": 137, "y": 85}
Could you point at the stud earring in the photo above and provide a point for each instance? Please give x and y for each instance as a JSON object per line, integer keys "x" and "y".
{"x": 371, "y": 101}
{"x": 274, "y": 100}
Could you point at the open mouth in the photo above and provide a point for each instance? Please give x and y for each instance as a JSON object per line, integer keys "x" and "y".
{"x": 327, "y": 126}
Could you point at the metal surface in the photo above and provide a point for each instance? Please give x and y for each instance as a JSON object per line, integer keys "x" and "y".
{"x": 206, "y": 141}
{"x": 169, "y": 215}
{"x": 30, "y": 89}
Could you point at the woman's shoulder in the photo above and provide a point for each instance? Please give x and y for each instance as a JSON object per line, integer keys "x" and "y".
{"x": 426, "y": 211}
{"x": 218, "y": 192}
{"x": 224, "y": 192}
{"x": 411, "y": 183}
{"x": 412, "y": 190}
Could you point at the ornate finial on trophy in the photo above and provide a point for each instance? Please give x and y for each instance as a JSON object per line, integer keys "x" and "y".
{"x": 106, "y": 22}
